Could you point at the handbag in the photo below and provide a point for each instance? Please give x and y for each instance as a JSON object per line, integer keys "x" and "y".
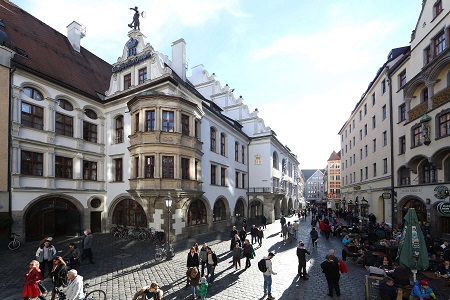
{"x": 42, "y": 288}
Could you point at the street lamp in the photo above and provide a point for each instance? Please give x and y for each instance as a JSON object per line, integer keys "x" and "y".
{"x": 169, "y": 207}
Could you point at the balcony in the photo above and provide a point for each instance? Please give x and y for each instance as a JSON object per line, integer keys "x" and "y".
{"x": 418, "y": 111}
{"x": 441, "y": 98}
{"x": 267, "y": 190}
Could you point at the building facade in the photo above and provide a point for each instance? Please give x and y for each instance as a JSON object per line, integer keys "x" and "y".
{"x": 92, "y": 145}
{"x": 411, "y": 98}
{"x": 314, "y": 191}
{"x": 332, "y": 180}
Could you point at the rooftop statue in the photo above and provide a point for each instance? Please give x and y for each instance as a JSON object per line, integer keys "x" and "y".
{"x": 135, "y": 23}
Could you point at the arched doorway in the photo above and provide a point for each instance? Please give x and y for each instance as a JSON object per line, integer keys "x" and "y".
{"x": 256, "y": 209}
{"x": 130, "y": 213}
{"x": 219, "y": 211}
{"x": 419, "y": 206}
{"x": 284, "y": 207}
{"x": 196, "y": 214}
{"x": 239, "y": 209}
{"x": 52, "y": 216}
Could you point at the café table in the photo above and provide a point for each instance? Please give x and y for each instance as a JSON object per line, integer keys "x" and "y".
{"x": 433, "y": 276}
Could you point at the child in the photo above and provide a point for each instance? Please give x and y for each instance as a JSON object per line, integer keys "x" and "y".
{"x": 203, "y": 288}
{"x": 422, "y": 290}
{"x": 237, "y": 253}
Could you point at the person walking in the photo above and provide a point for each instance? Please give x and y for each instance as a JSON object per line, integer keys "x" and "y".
{"x": 268, "y": 276}
{"x": 193, "y": 277}
{"x": 243, "y": 234}
{"x": 203, "y": 256}
{"x": 211, "y": 264}
{"x": 249, "y": 253}
{"x": 203, "y": 288}
{"x": 235, "y": 240}
{"x": 237, "y": 253}
{"x": 282, "y": 221}
{"x": 254, "y": 234}
{"x": 87, "y": 247}
{"x": 32, "y": 277}
{"x": 192, "y": 261}
{"x": 330, "y": 267}
{"x": 295, "y": 225}
{"x": 73, "y": 255}
{"x": 74, "y": 289}
{"x": 301, "y": 254}
{"x": 260, "y": 235}
{"x": 314, "y": 236}
{"x": 59, "y": 274}
{"x": 264, "y": 222}
{"x": 45, "y": 255}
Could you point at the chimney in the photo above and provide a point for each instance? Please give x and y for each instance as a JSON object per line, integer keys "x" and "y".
{"x": 179, "y": 58}
{"x": 75, "y": 32}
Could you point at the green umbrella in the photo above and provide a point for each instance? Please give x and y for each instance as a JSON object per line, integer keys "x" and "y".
{"x": 412, "y": 250}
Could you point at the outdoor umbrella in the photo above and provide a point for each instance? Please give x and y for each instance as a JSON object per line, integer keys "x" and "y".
{"x": 412, "y": 250}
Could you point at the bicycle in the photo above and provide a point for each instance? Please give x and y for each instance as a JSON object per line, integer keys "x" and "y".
{"x": 93, "y": 295}
{"x": 162, "y": 252}
{"x": 15, "y": 243}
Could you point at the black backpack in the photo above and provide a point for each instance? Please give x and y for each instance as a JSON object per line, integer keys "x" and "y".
{"x": 262, "y": 265}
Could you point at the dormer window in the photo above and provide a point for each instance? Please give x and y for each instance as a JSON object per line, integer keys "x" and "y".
{"x": 437, "y": 8}
{"x": 131, "y": 45}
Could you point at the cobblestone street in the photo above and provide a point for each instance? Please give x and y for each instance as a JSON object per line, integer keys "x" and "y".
{"x": 122, "y": 267}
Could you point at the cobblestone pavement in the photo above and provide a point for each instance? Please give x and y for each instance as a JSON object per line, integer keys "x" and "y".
{"x": 122, "y": 267}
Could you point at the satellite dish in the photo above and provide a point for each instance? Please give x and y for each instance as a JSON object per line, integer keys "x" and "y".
{"x": 143, "y": 14}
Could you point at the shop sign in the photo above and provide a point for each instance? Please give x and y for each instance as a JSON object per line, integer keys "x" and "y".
{"x": 441, "y": 192}
{"x": 386, "y": 195}
{"x": 444, "y": 208}
{"x": 411, "y": 191}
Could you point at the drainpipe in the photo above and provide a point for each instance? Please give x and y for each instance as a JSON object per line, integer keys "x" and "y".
{"x": 10, "y": 106}
{"x": 248, "y": 181}
{"x": 391, "y": 133}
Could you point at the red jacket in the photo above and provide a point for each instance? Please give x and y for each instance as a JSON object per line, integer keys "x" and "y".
{"x": 33, "y": 276}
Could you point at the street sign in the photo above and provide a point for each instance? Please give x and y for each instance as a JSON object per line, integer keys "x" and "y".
{"x": 386, "y": 195}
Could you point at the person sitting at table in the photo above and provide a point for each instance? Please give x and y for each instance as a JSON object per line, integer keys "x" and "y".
{"x": 400, "y": 274}
{"x": 387, "y": 289}
{"x": 384, "y": 263}
{"x": 444, "y": 268}
{"x": 346, "y": 240}
{"x": 385, "y": 243}
{"x": 421, "y": 290}
{"x": 374, "y": 271}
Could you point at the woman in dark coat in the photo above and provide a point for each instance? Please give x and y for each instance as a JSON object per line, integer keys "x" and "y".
{"x": 235, "y": 241}
{"x": 59, "y": 274}
{"x": 243, "y": 234}
{"x": 192, "y": 261}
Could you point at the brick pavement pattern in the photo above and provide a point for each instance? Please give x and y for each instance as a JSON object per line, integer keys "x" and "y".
{"x": 123, "y": 266}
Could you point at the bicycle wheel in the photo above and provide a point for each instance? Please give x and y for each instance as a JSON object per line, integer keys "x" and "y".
{"x": 159, "y": 255}
{"x": 141, "y": 236}
{"x": 118, "y": 234}
{"x": 113, "y": 229}
{"x": 96, "y": 295}
{"x": 13, "y": 245}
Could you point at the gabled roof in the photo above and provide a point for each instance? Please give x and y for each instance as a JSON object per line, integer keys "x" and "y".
{"x": 44, "y": 51}
{"x": 335, "y": 156}
{"x": 310, "y": 172}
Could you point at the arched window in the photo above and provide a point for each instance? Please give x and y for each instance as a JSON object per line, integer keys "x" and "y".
{"x": 275, "y": 160}
{"x": 33, "y": 93}
{"x": 219, "y": 212}
{"x": 404, "y": 176}
{"x": 130, "y": 213}
{"x": 90, "y": 114}
{"x": 223, "y": 143}
{"x": 239, "y": 209}
{"x": 119, "y": 129}
{"x": 212, "y": 135}
{"x": 196, "y": 213}
{"x": 64, "y": 104}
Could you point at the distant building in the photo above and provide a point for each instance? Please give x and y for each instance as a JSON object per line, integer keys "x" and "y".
{"x": 314, "y": 185}
{"x": 332, "y": 180}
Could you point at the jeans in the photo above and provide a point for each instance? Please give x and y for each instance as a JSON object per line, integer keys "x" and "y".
{"x": 268, "y": 284}
{"x": 203, "y": 268}
{"x": 194, "y": 291}
{"x": 259, "y": 240}
{"x": 247, "y": 262}
{"x": 211, "y": 272}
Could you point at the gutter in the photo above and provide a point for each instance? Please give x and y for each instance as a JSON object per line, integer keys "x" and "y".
{"x": 391, "y": 133}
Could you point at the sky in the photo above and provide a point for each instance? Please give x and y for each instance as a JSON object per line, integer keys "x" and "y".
{"x": 303, "y": 64}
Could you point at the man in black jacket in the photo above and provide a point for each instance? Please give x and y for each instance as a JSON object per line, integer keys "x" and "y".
{"x": 301, "y": 254}
{"x": 387, "y": 289}
{"x": 211, "y": 264}
{"x": 330, "y": 267}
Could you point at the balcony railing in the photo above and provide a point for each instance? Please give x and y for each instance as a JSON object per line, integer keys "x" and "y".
{"x": 418, "y": 111}
{"x": 441, "y": 98}
{"x": 269, "y": 190}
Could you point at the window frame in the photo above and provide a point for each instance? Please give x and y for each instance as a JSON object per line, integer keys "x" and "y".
{"x": 63, "y": 167}
{"x": 119, "y": 129}
{"x": 90, "y": 170}
{"x": 33, "y": 93}
{"x": 185, "y": 124}
{"x": 33, "y": 165}
{"x": 167, "y": 167}
{"x": 212, "y": 139}
{"x": 118, "y": 169}
{"x": 142, "y": 75}
{"x": 168, "y": 121}
{"x": 35, "y": 114}
{"x": 149, "y": 167}
{"x": 126, "y": 81}
{"x": 63, "y": 127}
{"x": 185, "y": 162}
{"x": 90, "y": 132}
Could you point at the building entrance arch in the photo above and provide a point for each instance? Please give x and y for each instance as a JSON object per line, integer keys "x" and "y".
{"x": 418, "y": 205}
{"x": 52, "y": 216}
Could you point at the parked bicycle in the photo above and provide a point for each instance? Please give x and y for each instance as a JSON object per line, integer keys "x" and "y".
{"x": 164, "y": 250}
{"x": 92, "y": 295}
{"x": 15, "y": 243}
{"x": 122, "y": 231}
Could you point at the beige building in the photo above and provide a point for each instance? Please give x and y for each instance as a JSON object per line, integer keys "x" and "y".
{"x": 332, "y": 180}
{"x": 395, "y": 145}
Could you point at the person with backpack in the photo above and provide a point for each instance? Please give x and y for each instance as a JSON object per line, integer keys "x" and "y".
{"x": 249, "y": 253}
{"x": 265, "y": 266}
{"x": 314, "y": 236}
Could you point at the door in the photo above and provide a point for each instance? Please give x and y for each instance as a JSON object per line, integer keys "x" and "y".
{"x": 96, "y": 221}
